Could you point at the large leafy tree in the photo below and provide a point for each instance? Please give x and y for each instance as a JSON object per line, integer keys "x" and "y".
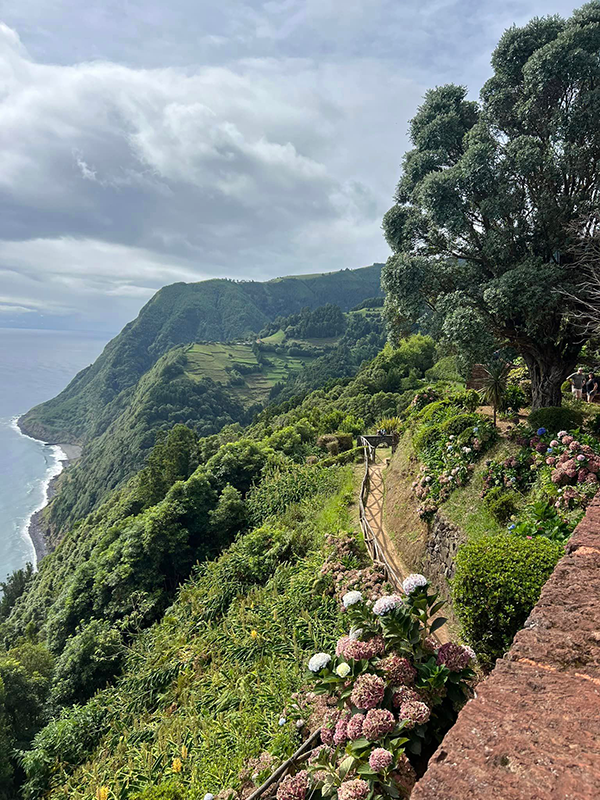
{"x": 490, "y": 196}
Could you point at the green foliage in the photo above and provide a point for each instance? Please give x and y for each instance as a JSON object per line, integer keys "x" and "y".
{"x": 497, "y": 582}
{"x": 284, "y": 487}
{"x": 555, "y": 419}
{"x": 513, "y": 398}
{"x": 462, "y": 242}
{"x": 13, "y": 587}
{"x": 502, "y": 504}
{"x": 495, "y": 383}
{"x": 542, "y": 519}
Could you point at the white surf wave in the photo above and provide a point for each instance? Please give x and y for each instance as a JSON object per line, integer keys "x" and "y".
{"x": 55, "y": 457}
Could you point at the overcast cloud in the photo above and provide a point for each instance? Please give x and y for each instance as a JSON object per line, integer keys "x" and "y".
{"x": 144, "y": 142}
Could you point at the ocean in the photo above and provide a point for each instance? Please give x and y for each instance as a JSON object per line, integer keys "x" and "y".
{"x": 34, "y": 366}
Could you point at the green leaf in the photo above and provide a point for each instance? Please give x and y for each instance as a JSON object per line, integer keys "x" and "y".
{"x": 437, "y": 623}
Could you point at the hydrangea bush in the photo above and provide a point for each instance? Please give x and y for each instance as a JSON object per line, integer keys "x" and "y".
{"x": 563, "y": 468}
{"x": 385, "y": 697}
{"x": 448, "y": 462}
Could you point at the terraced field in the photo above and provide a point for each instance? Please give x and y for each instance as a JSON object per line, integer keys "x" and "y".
{"x": 216, "y": 361}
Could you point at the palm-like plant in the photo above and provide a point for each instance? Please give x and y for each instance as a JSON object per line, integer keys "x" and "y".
{"x": 494, "y": 385}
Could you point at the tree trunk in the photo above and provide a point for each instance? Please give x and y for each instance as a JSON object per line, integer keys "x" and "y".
{"x": 547, "y": 376}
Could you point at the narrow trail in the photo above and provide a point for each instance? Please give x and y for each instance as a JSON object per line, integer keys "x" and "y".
{"x": 374, "y": 515}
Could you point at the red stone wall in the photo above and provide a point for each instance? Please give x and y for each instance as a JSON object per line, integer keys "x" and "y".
{"x": 533, "y": 730}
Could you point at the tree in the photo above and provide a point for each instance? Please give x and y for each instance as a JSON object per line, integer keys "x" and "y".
{"x": 482, "y": 227}
{"x": 494, "y": 385}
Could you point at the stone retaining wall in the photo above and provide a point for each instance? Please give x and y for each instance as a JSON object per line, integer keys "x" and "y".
{"x": 533, "y": 730}
{"x": 442, "y": 544}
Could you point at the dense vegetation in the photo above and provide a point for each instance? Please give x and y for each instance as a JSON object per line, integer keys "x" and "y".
{"x": 116, "y": 571}
{"x": 205, "y": 386}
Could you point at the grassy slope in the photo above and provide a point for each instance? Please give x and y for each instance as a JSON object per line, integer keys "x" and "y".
{"x": 224, "y": 689}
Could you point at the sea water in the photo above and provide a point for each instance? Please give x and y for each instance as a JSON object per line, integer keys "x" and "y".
{"x": 34, "y": 366}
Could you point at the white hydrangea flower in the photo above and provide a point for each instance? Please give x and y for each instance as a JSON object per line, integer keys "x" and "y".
{"x": 209, "y": 796}
{"x": 386, "y": 604}
{"x": 351, "y": 598}
{"x": 355, "y": 633}
{"x": 343, "y": 670}
{"x": 470, "y": 651}
{"x": 282, "y": 721}
{"x": 414, "y": 581}
{"x": 318, "y": 662}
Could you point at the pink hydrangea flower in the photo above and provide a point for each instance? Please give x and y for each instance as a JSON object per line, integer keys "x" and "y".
{"x": 328, "y": 726}
{"x": 340, "y": 735}
{"x": 294, "y": 787}
{"x": 414, "y": 713}
{"x": 357, "y": 650}
{"x": 387, "y": 603}
{"x": 378, "y": 723}
{"x": 402, "y": 694}
{"x": 551, "y": 461}
{"x": 355, "y": 726}
{"x": 368, "y": 691}
{"x": 398, "y": 670}
{"x": 554, "y": 443}
{"x": 566, "y": 440}
{"x": 380, "y": 759}
{"x": 581, "y": 457}
{"x": 353, "y": 790}
{"x": 454, "y": 656}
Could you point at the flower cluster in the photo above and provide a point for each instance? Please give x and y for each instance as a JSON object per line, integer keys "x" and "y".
{"x": 424, "y": 398}
{"x": 347, "y": 580}
{"x": 386, "y": 692}
{"x": 448, "y": 464}
{"x": 293, "y": 787}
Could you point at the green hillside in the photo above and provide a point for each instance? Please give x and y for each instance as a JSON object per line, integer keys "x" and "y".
{"x": 214, "y": 310}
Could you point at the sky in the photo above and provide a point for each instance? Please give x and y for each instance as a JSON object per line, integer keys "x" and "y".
{"x": 144, "y": 142}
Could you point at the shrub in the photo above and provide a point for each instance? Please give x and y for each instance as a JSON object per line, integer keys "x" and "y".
{"x": 514, "y": 398}
{"x": 344, "y": 441}
{"x": 502, "y": 504}
{"x": 458, "y": 423}
{"x": 498, "y": 580}
{"x": 427, "y": 436}
{"x": 555, "y": 419}
{"x": 333, "y": 448}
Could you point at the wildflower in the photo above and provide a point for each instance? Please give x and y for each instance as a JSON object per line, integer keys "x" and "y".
{"x": 378, "y": 723}
{"x": 176, "y": 765}
{"x": 414, "y": 713}
{"x": 282, "y": 721}
{"x": 414, "y": 581}
{"x": 184, "y": 751}
{"x": 318, "y": 662}
{"x": 398, "y": 670}
{"x": 351, "y": 598}
{"x": 293, "y": 787}
{"x": 368, "y": 691}
{"x": 350, "y": 790}
{"x": 102, "y": 793}
{"x": 355, "y": 726}
{"x": 342, "y": 670}
{"x": 541, "y": 431}
{"x": 387, "y": 603}
{"x": 253, "y": 634}
{"x": 453, "y": 656}
{"x": 380, "y": 759}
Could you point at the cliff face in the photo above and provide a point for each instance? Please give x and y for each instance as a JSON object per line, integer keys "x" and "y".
{"x": 532, "y": 730}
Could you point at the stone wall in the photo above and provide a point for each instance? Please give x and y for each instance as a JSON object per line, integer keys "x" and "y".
{"x": 442, "y": 544}
{"x": 533, "y": 730}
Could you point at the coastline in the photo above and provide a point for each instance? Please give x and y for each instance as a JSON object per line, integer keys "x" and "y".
{"x": 64, "y": 454}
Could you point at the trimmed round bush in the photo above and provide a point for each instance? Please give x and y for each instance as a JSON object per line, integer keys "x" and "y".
{"x": 435, "y": 412}
{"x": 502, "y": 504}
{"x": 497, "y": 582}
{"x": 555, "y": 418}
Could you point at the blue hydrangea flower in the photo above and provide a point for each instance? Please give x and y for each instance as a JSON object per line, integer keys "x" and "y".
{"x": 550, "y": 450}
{"x": 511, "y": 527}
{"x": 541, "y": 431}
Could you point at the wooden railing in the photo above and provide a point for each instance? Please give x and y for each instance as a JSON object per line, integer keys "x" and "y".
{"x": 378, "y": 556}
